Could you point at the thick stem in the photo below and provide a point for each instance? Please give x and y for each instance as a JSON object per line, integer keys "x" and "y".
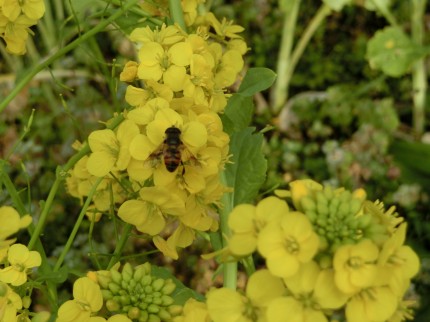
{"x": 281, "y": 89}
{"x": 177, "y": 14}
{"x": 419, "y": 75}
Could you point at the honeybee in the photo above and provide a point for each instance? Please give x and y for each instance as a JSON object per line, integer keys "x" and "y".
{"x": 172, "y": 148}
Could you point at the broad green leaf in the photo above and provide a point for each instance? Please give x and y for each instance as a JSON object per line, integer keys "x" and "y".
{"x": 247, "y": 170}
{"x": 182, "y": 293}
{"x": 256, "y": 80}
{"x": 392, "y": 51}
{"x": 57, "y": 277}
{"x": 239, "y": 113}
{"x": 337, "y": 5}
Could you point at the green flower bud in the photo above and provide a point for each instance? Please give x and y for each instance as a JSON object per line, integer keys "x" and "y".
{"x": 143, "y": 305}
{"x": 164, "y": 315}
{"x": 148, "y": 289}
{"x": 112, "y": 306}
{"x": 115, "y": 288}
{"x": 144, "y": 316}
{"x": 139, "y": 273}
{"x": 158, "y": 284}
{"x": 133, "y": 313}
{"x": 168, "y": 288}
{"x": 124, "y": 285}
{"x": 116, "y": 276}
{"x": 127, "y": 272}
{"x": 166, "y": 300}
{"x": 104, "y": 279}
{"x": 153, "y": 308}
{"x": 148, "y": 299}
{"x": 107, "y": 295}
{"x": 26, "y": 302}
{"x": 157, "y": 300}
{"x": 308, "y": 204}
{"x": 146, "y": 280}
{"x": 356, "y": 205}
{"x": 125, "y": 299}
{"x": 312, "y": 216}
{"x": 154, "y": 318}
{"x": 175, "y": 310}
{"x": 343, "y": 210}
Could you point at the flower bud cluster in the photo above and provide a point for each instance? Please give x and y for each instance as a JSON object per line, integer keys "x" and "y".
{"x": 138, "y": 294}
{"x": 16, "y": 18}
{"x": 167, "y": 154}
{"x": 331, "y": 251}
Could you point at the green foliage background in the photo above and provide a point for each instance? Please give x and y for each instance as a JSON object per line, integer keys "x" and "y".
{"x": 344, "y": 123}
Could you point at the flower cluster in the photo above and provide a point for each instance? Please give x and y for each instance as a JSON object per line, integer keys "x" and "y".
{"x": 134, "y": 294}
{"x": 16, "y": 262}
{"x": 336, "y": 254}
{"x": 162, "y": 164}
{"x": 16, "y": 18}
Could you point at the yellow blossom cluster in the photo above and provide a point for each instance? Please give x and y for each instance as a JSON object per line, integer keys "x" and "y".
{"x": 16, "y": 262}
{"x": 334, "y": 255}
{"x": 16, "y": 18}
{"x": 162, "y": 163}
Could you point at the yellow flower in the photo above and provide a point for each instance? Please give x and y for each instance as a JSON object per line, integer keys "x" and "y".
{"x": 154, "y": 61}
{"x": 20, "y": 260}
{"x": 87, "y": 300}
{"x": 355, "y": 267}
{"x": 166, "y": 36}
{"x": 11, "y": 223}
{"x": 224, "y": 28}
{"x": 228, "y": 68}
{"x": 290, "y": 307}
{"x": 33, "y": 9}
{"x": 15, "y": 33}
{"x": 302, "y": 188}
{"x": 129, "y": 73}
{"x": 110, "y": 150}
{"x": 397, "y": 261}
{"x": 193, "y": 311}
{"x": 287, "y": 244}
{"x": 313, "y": 290}
{"x": 148, "y": 213}
{"x": 228, "y": 305}
{"x": 373, "y": 304}
{"x": 245, "y": 222}
{"x": 10, "y": 303}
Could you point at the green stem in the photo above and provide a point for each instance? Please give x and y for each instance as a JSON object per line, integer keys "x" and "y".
{"x": 60, "y": 53}
{"x": 61, "y": 173}
{"x": 77, "y": 225}
{"x": 419, "y": 75}
{"x": 120, "y": 245}
{"x": 177, "y": 14}
{"x": 385, "y": 12}
{"x": 281, "y": 89}
{"x": 229, "y": 268}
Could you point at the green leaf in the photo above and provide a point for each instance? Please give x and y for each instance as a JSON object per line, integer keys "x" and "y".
{"x": 393, "y": 52}
{"x": 57, "y": 277}
{"x": 182, "y": 293}
{"x": 256, "y": 80}
{"x": 412, "y": 158}
{"x": 238, "y": 113}
{"x": 337, "y": 5}
{"x": 247, "y": 171}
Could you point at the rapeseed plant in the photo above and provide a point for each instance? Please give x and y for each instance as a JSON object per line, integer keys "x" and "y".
{"x": 326, "y": 254}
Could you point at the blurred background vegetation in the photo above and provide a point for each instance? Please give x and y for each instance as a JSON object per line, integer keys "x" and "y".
{"x": 344, "y": 123}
